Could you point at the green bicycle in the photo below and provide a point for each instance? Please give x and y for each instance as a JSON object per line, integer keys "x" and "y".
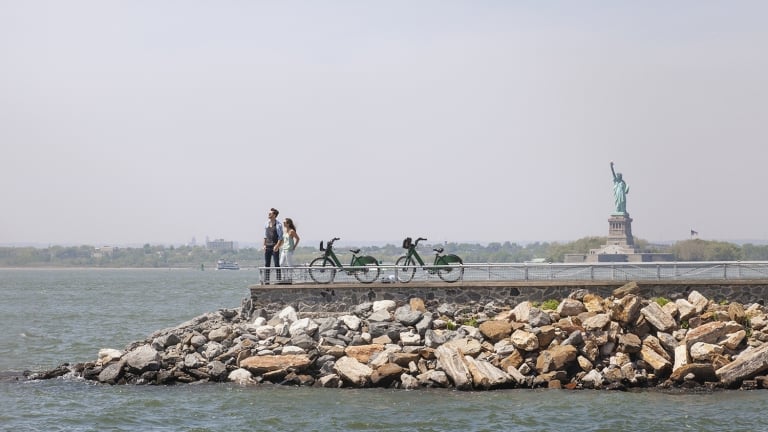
{"x": 405, "y": 267}
{"x": 322, "y": 270}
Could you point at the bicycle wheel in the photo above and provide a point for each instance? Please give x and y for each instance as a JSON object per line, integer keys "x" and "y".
{"x": 322, "y": 270}
{"x": 405, "y": 268}
{"x": 371, "y": 271}
{"x": 448, "y": 273}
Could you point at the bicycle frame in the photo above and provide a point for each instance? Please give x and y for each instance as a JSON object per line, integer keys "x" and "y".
{"x": 323, "y": 269}
{"x": 442, "y": 264}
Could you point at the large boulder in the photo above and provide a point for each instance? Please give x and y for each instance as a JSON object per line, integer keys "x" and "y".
{"x": 407, "y": 316}
{"x": 555, "y": 358}
{"x": 626, "y": 309}
{"x": 451, "y": 361}
{"x": 570, "y": 307}
{"x": 496, "y": 330}
{"x": 353, "y": 372}
{"x": 524, "y": 340}
{"x": 658, "y": 317}
{"x": 747, "y": 365}
{"x": 142, "y": 359}
{"x": 270, "y": 363}
{"x": 363, "y": 353}
{"x": 485, "y": 375}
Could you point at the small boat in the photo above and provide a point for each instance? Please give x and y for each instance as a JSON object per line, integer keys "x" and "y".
{"x": 227, "y": 265}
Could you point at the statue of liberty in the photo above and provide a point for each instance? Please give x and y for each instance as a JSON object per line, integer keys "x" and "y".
{"x": 620, "y": 191}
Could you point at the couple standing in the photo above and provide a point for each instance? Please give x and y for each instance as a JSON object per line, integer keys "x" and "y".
{"x": 279, "y": 244}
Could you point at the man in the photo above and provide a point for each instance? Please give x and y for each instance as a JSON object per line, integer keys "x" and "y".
{"x": 273, "y": 239}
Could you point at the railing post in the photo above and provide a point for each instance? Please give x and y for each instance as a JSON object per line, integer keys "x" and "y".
{"x": 658, "y": 271}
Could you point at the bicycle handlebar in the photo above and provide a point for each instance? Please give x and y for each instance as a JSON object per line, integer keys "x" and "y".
{"x": 329, "y": 246}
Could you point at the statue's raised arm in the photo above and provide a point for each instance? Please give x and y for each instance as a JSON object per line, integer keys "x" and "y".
{"x": 620, "y": 191}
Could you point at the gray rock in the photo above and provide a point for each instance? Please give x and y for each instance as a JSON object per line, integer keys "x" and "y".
{"x": 447, "y": 310}
{"x": 381, "y": 328}
{"x": 219, "y": 334}
{"x": 435, "y": 338}
{"x": 667, "y": 341}
{"x": 352, "y": 322}
{"x": 658, "y": 318}
{"x": 303, "y": 341}
{"x": 432, "y": 378}
{"x": 353, "y": 372}
{"x": 388, "y": 305}
{"x": 193, "y": 360}
{"x": 292, "y": 349}
{"x": 164, "y": 341}
{"x": 265, "y": 332}
{"x": 329, "y": 381}
{"x": 143, "y": 358}
{"x": 212, "y": 350}
{"x": 198, "y": 340}
{"x": 570, "y": 307}
{"x": 597, "y": 322}
{"x": 424, "y": 324}
{"x": 111, "y": 373}
{"x": 593, "y": 379}
{"x": 406, "y": 316}
{"x": 380, "y": 315}
{"x": 451, "y": 361}
{"x": 538, "y": 318}
{"x": 363, "y": 309}
{"x": 485, "y": 375}
{"x": 576, "y": 338}
{"x": 409, "y": 382}
{"x": 328, "y": 326}
{"x": 288, "y": 315}
{"x": 323, "y": 359}
{"x": 328, "y": 368}
{"x": 217, "y": 370}
{"x": 748, "y": 364}
{"x": 304, "y": 325}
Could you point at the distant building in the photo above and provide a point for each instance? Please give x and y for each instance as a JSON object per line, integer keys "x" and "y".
{"x": 104, "y": 251}
{"x": 221, "y": 245}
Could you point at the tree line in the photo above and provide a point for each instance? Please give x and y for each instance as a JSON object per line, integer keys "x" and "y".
{"x": 159, "y": 256}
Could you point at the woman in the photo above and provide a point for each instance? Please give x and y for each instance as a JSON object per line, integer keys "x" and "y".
{"x": 290, "y": 241}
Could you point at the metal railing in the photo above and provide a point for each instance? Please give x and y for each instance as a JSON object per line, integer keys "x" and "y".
{"x": 709, "y": 270}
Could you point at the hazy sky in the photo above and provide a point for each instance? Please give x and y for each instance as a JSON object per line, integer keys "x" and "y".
{"x": 125, "y": 122}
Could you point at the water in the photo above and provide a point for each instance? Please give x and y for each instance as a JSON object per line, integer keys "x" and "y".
{"x": 53, "y": 316}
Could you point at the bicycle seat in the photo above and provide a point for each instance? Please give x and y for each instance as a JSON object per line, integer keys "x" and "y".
{"x": 355, "y": 251}
{"x": 438, "y": 250}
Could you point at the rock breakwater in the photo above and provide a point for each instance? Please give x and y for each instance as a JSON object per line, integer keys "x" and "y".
{"x": 587, "y": 341}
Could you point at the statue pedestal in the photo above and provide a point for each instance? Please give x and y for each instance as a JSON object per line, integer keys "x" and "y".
{"x": 620, "y": 231}
{"x": 620, "y": 246}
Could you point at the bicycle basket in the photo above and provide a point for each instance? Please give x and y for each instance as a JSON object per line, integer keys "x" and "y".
{"x": 407, "y": 243}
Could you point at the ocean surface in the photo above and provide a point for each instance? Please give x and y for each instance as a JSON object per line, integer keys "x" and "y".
{"x": 52, "y": 316}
